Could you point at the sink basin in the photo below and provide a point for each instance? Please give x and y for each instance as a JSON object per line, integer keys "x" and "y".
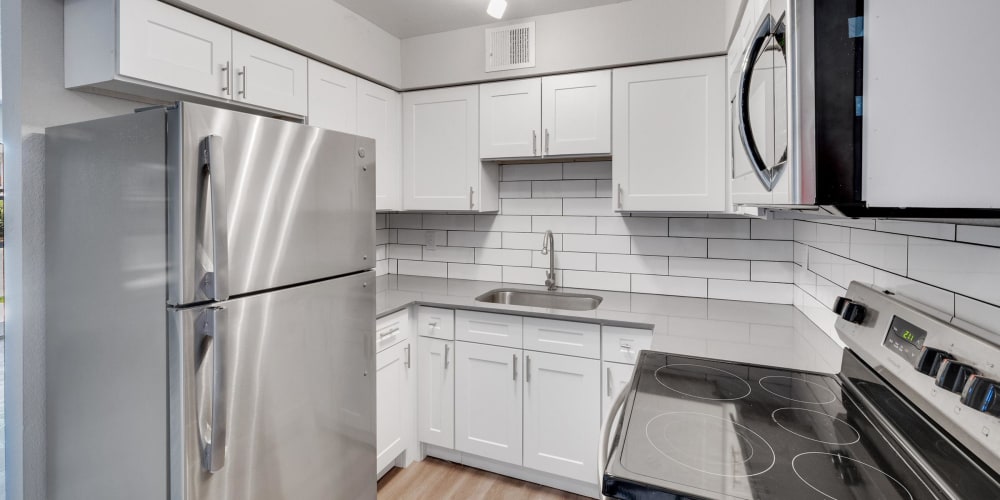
{"x": 534, "y": 298}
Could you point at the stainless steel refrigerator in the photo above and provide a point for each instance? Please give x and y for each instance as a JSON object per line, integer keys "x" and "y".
{"x": 210, "y": 308}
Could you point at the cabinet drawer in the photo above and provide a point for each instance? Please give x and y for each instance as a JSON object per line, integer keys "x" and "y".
{"x": 391, "y": 330}
{"x": 436, "y": 322}
{"x": 622, "y": 345}
{"x": 563, "y": 337}
{"x": 487, "y": 328}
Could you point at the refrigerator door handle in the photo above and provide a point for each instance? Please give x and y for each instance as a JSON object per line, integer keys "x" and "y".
{"x": 215, "y": 284}
{"x": 212, "y": 328}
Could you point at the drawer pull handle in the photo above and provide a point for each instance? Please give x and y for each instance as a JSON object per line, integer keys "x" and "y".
{"x": 388, "y": 332}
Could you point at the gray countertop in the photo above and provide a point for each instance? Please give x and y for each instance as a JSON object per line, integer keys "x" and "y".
{"x": 747, "y": 332}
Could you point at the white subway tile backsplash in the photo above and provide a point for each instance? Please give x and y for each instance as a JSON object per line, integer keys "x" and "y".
{"x": 596, "y": 280}
{"x": 381, "y": 267}
{"x": 882, "y": 250}
{"x": 833, "y": 239}
{"x": 454, "y": 222}
{"x": 564, "y": 189}
{"x": 775, "y": 272}
{"x": 604, "y": 188}
{"x": 409, "y": 252}
{"x": 838, "y": 269}
{"x": 405, "y": 221}
{"x": 530, "y": 241}
{"x": 979, "y": 314}
{"x": 531, "y": 206}
{"x": 380, "y": 221}
{"x": 680, "y": 247}
{"x": 393, "y": 268}
{"x": 382, "y": 236}
{"x": 515, "y": 189}
{"x": 633, "y": 264}
{"x": 913, "y": 228}
{"x": 670, "y": 285}
{"x": 633, "y": 226}
{"x": 562, "y": 224}
{"x": 800, "y": 253}
{"x": 710, "y": 268}
{"x": 484, "y": 239}
{"x": 587, "y": 170}
{"x": 774, "y": 293}
{"x": 828, "y": 291}
{"x": 771, "y": 229}
{"x": 531, "y": 172}
{"x": 599, "y": 243}
{"x": 982, "y": 235}
{"x": 420, "y": 237}
{"x": 588, "y": 206}
{"x": 710, "y": 228}
{"x": 381, "y": 252}
{"x": 970, "y": 270}
{"x": 503, "y": 257}
{"x": 750, "y": 249}
{"x": 566, "y": 260}
{"x": 528, "y": 275}
{"x": 521, "y": 223}
{"x": 939, "y": 299}
{"x": 421, "y": 268}
{"x": 450, "y": 254}
{"x": 475, "y": 272}
{"x": 393, "y": 235}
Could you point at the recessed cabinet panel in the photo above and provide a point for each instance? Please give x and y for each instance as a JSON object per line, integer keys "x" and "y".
{"x": 333, "y": 102}
{"x": 488, "y": 401}
{"x": 436, "y": 392}
{"x": 379, "y": 117}
{"x": 269, "y": 76}
{"x": 576, "y": 111}
{"x": 669, "y": 137}
{"x": 167, "y": 46}
{"x": 510, "y": 118}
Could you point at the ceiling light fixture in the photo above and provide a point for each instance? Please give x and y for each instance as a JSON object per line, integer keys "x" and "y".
{"x": 496, "y": 8}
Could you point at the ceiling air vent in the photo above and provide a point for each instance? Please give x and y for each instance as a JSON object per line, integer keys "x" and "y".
{"x": 510, "y": 47}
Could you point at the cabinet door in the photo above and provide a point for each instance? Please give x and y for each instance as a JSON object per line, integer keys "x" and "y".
{"x": 379, "y": 118}
{"x": 393, "y": 415}
{"x": 669, "y": 137}
{"x": 510, "y": 114}
{"x": 488, "y": 401}
{"x": 562, "y": 415}
{"x": 333, "y": 99}
{"x": 436, "y": 392}
{"x": 269, "y": 76}
{"x": 165, "y": 45}
{"x": 615, "y": 379}
{"x": 441, "y": 165}
{"x": 576, "y": 114}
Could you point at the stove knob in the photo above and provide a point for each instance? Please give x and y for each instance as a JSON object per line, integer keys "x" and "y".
{"x": 838, "y": 306}
{"x": 930, "y": 360}
{"x": 982, "y": 393}
{"x": 952, "y": 375}
{"x": 854, "y": 312}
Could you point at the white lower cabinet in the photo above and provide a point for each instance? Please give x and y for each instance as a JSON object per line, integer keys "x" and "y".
{"x": 393, "y": 372}
{"x": 615, "y": 378}
{"x": 436, "y": 392}
{"x": 562, "y": 419}
{"x": 488, "y": 404}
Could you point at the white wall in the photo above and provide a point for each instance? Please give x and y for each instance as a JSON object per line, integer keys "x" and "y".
{"x": 322, "y": 29}
{"x": 623, "y": 33}
{"x": 34, "y": 98}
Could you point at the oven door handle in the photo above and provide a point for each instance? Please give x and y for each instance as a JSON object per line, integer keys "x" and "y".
{"x": 768, "y": 176}
{"x": 609, "y": 425}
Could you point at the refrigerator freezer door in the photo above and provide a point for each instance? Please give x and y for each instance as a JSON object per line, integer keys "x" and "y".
{"x": 287, "y": 203}
{"x": 288, "y": 380}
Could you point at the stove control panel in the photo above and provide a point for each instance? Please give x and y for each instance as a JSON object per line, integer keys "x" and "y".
{"x": 951, "y": 374}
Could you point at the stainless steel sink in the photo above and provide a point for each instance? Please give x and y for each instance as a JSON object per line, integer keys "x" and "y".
{"x": 534, "y": 298}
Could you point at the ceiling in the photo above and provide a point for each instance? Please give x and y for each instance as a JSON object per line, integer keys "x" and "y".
{"x": 408, "y": 18}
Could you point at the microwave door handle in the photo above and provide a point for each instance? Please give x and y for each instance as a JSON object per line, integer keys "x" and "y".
{"x": 215, "y": 284}
{"x": 766, "y": 177}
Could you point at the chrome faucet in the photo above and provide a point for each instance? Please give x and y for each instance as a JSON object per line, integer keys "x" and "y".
{"x": 548, "y": 248}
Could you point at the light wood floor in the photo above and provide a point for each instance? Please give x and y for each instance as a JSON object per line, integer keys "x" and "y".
{"x": 434, "y": 479}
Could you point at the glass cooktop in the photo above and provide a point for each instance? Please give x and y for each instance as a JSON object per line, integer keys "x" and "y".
{"x": 699, "y": 428}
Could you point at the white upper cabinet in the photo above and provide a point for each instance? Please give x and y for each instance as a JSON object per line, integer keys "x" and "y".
{"x": 669, "y": 123}
{"x": 564, "y": 115}
{"x": 168, "y": 46}
{"x": 333, "y": 99}
{"x": 269, "y": 76}
{"x": 510, "y": 118}
{"x": 576, "y": 114}
{"x": 441, "y": 167}
{"x": 379, "y": 113}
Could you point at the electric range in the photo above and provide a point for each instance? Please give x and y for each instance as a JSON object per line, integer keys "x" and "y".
{"x": 913, "y": 414}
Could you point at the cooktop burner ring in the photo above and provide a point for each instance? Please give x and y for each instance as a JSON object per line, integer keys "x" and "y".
{"x": 720, "y": 371}
{"x": 845, "y": 426}
{"x": 837, "y": 457}
{"x": 832, "y": 395}
{"x": 736, "y": 431}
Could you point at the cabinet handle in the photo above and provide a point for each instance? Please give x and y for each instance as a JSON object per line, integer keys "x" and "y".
{"x": 407, "y": 349}
{"x": 431, "y": 326}
{"x": 609, "y": 382}
{"x": 446, "y": 356}
{"x": 388, "y": 332}
{"x": 534, "y": 143}
{"x": 514, "y": 364}
{"x": 527, "y": 369}
{"x": 619, "y": 196}
{"x": 226, "y": 81}
{"x": 471, "y": 205}
{"x": 243, "y": 74}
{"x": 547, "y": 141}
{"x": 625, "y": 347}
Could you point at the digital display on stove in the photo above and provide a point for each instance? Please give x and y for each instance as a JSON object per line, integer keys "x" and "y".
{"x": 905, "y": 338}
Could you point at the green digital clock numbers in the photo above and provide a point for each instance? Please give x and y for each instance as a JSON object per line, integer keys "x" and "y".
{"x": 909, "y": 336}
